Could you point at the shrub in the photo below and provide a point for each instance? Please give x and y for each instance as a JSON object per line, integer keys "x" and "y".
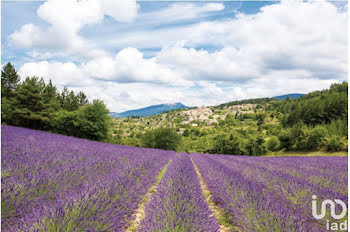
{"x": 317, "y": 138}
{"x": 299, "y": 135}
{"x": 335, "y": 143}
{"x": 273, "y": 144}
{"x": 286, "y": 139}
{"x": 231, "y": 144}
{"x": 89, "y": 121}
{"x": 162, "y": 138}
{"x": 255, "y": 146}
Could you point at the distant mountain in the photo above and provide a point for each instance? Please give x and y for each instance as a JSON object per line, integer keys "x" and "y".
{"x": 291, "y": 95}
{"x": 148, "y": 111}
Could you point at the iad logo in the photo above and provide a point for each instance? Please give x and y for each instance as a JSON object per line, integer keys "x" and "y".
{"x": 332, "y": 204}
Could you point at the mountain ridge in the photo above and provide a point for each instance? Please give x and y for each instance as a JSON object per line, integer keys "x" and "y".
{"x": 149, "y": 110}
{"x": 291, "y": 95}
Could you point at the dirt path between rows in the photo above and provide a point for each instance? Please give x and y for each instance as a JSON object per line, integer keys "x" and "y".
{"x": 140, "y": 212}
{"x": 217, "y": 211}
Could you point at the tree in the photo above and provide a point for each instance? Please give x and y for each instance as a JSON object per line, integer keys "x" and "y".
{"x": 286, "y": 139}
{"x": 64, "y": 98}
{"x": 343, "y": 87}
{"x": 256, "y": 146}
{"x": 82, "y": 99}
{"x": 65, "y": 122}
{"x": 299, "y": 133}
{"x": 273, "y": 144}
{"x": 335, "y": 143}
{"x": 162, "y": 138}
{"x": 51, "y": 99}
{"x": 231, "y": 144}
{"x": 317, "y": 138}
{"x": 72, "y": 102}
{"x": 90, "y": 121}
{"x": 93, "y": 121}
{"x": 7, "y": 110}
{"x": 29, "y": 105}
{"x": 9, "y": 81}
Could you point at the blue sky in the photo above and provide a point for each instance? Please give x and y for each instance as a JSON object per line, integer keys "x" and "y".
{"x": 19, "y": 13}
{"x": 133, "y": 54}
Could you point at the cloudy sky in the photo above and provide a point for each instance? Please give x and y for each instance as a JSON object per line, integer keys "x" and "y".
{"x": 135, "y": 54}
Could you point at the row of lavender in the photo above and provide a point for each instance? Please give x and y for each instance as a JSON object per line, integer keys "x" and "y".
{"x": 273, "y": 194}
{"x": 178, "y": 203}
{"x": 58, "y": 183}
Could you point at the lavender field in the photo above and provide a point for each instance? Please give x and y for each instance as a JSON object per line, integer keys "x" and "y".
{"x": 58, "y": 183}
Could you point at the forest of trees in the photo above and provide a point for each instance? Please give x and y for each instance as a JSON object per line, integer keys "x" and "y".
{"x": 32, "y": 103}
{"x": 316, "y": 121}
{"x": 246, "y": 101}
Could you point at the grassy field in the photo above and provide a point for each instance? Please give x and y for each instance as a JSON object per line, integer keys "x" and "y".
{"x": 309, "y": 154}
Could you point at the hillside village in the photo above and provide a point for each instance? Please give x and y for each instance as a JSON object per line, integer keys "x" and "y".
{"x": 203, "y": 117}
{"x": 205, "y": 114}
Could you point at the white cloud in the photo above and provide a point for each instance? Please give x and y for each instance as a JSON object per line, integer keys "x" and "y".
{"x": 122, "y": 95}
{"x": 62, "y": 74}
{"x": 228, "y": 64}
{"x": 120, "y": 10}
{"x": 66, "y": 19}
{"x": 181, "y": 11}
{"x": 286, "y": 47}
{"x": 128, "y": 66}
{"x": 287, "y": 35}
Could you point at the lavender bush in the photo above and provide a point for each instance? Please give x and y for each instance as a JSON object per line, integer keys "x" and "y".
{"x": 273, "y": 194}
{"x": 178, "y": 204}
{"x": 58, "y": 183}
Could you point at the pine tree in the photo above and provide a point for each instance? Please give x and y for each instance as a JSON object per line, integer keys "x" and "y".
{"x": 64, "y": 97}
{"x": 82, "y": 99}
{"x": 9, "y": 80}
{"x": 29, "y": 105}
{"x": 51, "y": 100}
{"x": 72, "y": 102}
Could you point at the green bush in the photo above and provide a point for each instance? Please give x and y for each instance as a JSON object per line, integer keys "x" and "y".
{"x": 299, "y": 136}
{"x": 273, "y": 144}
{"x": 335, "y": 143}
{"x": 162, "y": 138}
{"x": 255, "y": 146}
{"x": 89, "y": 121}
{"x": 338, "y": 127}
{"x": 286, "y": 139}
{"x": 317, "y": 138}
{"x": 232, "y": 144}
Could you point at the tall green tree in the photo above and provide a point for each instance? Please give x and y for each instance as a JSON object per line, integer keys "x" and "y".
{"x": 64, "y": 98}
{"x": 51, "y": 100}
{"x": 72, "y": 102}
{"x": 90, "y": 121}
{"x": 29, "y": 104}
{"x": 9, "y": 80}
{"x": 93, "y": 121}
{"x": 162, "y": 138}
{"x": 82, "y": 99}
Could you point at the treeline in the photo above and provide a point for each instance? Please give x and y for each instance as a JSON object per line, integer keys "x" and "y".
{"x": 320, "y": 107}
{"x": 38, "y": 105}
{"x": 247, "y": 101}
{"x": 316, "y": 121}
